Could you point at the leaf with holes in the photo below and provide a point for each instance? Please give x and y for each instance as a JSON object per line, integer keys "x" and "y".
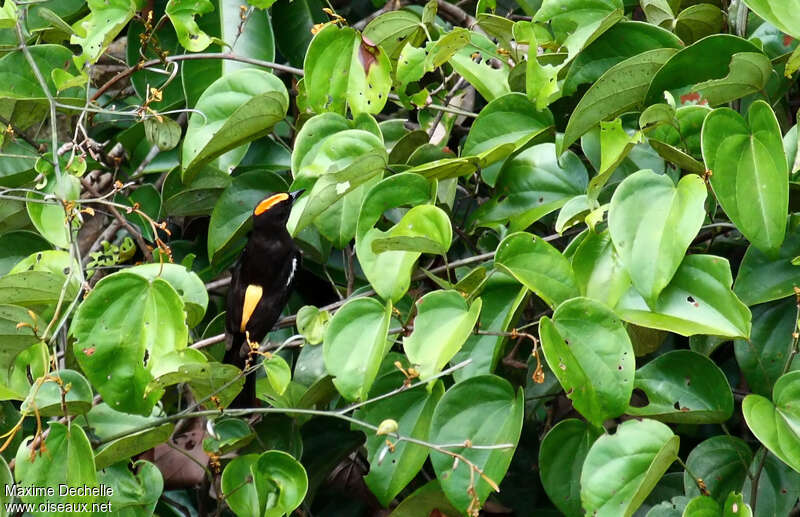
{"x": 683, "y": 387}
{"x": 589, "y": 352}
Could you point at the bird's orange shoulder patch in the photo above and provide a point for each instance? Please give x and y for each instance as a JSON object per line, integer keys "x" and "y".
{"x": 270, "y": 202}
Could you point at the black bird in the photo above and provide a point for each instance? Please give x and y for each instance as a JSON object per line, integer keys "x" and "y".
{"x": 261, "y": 284}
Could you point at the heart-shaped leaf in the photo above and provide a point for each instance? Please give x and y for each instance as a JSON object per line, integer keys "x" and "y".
{"x": 599, "y": 270}
{"x": 486, "y": 411}
{"x": 698, "y": 300}
{"x": 588, "y": 350}
{"x": 280, "y": 481}
{"x": 750, "y": 175}
{"x": 424, "y": 228}
{"x": 538, "y": 266}
{"x": 71, "y": 396}
{"x": 684, "y": 387}
{"x": 561, "y": 454}
{"x": 236, "y": 109}
{"x": 720, "y": 462}
{"x": 355, "y": 343}
{"x": 764, "y": 277}
{"x": 392, "y": 469}
{"x": 622, "y": 468}
{"x": 776, "y": 422}
{"x": 443, "y": 323}
{"x": 149, "y": 320}
{"x": 139, "y": 491}
{"x": 652, "y": 222}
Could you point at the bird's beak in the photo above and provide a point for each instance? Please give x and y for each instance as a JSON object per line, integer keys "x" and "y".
{"x": 296, "y": 194}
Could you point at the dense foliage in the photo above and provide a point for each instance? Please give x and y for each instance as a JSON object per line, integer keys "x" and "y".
{"x": 551, "y": 260}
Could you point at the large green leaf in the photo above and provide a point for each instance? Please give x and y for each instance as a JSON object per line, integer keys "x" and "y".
{"x": 50, "y": 219}
{"x": 776, "y": 422}
{"x": 652, "y": 222}
{"x": 531, "y": 184}
{"x": 186, "y": 283}
{"x": 354, "y": 345}
{"x": 392, "y": 30}
{"x": 721, "y": 462}
{"x": 490, "y": 82}
{"x": 231, "y": 218}
{"x": 501, "y": 298}
{"x": 684, "y": 387}
{"x": 622, "y": 468}
{"x": 599, "y": 271}
{"x": 784, "y": 15}
{"x": 342, "y": 68}
{"x": 486, "y": 411}
{"x": 235, "y": 110}
{"x": 620, "y": 89}
{"x": 764, "y": 277}
{"x": 148, "y": 324}
{"x": 428, "y": 498}
{"x": 698, "y": 300}
{"x": 561, "y": 455}
{"x": 577, "y": 23}
{"x": 391, "y": 470}
{"x": 750, "y": 175}
{"x": 589, "y": 352}
{"x": 36, "y": 288}
{"x": 182, "y": 15}
{"x": 50, "y": 399}
{"x": 102, "y": 25}
{"x": 392, "y": 192}
{"x": 763, "y": 357}
{"x": 68, "y": 462}
{"x": 424, "y": 228}
{"x": 778, "y": 485}
{"x": 443, "y": 323}
{"x": 270, "y": 485}
{"x": 538, "y": 266}
{"x": 136, "y": 493}
{"x": 14, "y": 337}
{"x": 707, "y": 63}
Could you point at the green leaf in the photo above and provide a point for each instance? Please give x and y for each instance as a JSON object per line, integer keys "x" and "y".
{"x": 231, "y": 218}
{"x": 312, "y": 323}
{"x": 395, "y": 191}
{"x": 684, "y": 387}
{"x": 35, "y": 288}
{"x": 710, "y": 59}
{"x": 102, "y": 25}
{"x": 533, "y": 183}
{"x": 230, "y": 434}
{"x": 775, "y": 423}
{"x": 486, "y": 411}
{"x": 186, "y": 283}
{"x": 391, "y": 470}
{"x": 589, "y": 352}
{"x": 424, "y": 228}
{"x": 18, "y": 168}
{"x": 443, "y": 323}
{"x": 182, "y": 15}
{"x": 164, "y": 133}
{"x": 720, "y": 462}
{"x": 490, "y": 82}
{"x": 698, "y": 300}
{"x": 698, "y": 21}
{"x": 427, "y": 499}
{"x": 15, "y": 339}
{"x": 765, "y": 277}
{"x": 778, "y": 485}
{"x": 236, "y": 109}
{"x": 293, "y": 22}
{"x": 750, "y": 176}
{"x": 281, "y": 483}
{"x": 197, "y": 197}
{"x": 735, "y": 507}
{"x": 652, "y": 222}
{"x": 561, "y": 455}
{"x": 538, "y": 266}
{"x": 279, "y": 374}
{"x": 505, "y": 125}
{"x": 783, "y": 15}
{"x": 577, "y": 23}
{"x": 341, "y": 67}
{"x": 49, "y": 218}
{"x": 148, "y": 318}
{"x": 69, "y": 461}
{"x": 138, "y": 492}
{"x": 501, "y": 298}
{"x": 393, "y": 30}
{"x": 72, "y": 396}
{"x": 134, "y": 443}
{"x": 599, "y": 271}
{"x": 621, "y": 469}
{"x": 355, "y": 343}
{"x": 702, "y": 506}
{"x": 622, "y": 41}
{"x": 763, "y": 357}
{"x": 239, "y": 488}
{"x": 619, "y": 90}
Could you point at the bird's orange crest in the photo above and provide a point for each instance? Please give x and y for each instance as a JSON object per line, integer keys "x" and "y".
{"x": 270, "y": 202}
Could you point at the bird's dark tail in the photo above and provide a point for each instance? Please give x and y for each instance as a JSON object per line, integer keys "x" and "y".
{"x": 237, "y": 354}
